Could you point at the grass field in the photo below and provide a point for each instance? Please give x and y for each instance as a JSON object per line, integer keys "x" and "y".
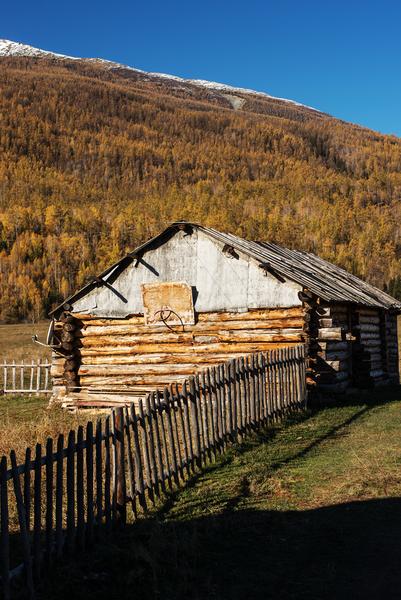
{"x": 310, "y": 509}
{"x": 16, "y": 341}
{"x": 26, "y": 420}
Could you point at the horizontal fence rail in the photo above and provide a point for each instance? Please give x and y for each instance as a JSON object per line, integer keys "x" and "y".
{"x": 66, "y": 495}
{"x": 26, "y": 377}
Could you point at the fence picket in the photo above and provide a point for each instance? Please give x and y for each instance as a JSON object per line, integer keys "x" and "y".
{"x": 195, "y": 421}
{"x": 212, "y": 401}
{"x": 59, "y": 496}
{"x": 146, "y": 452}
{"x": 188, "y": 425}
{"x": 5, "y": 373}
{"x": 80, "y": 489}
{"x": 160, "y": 409}
{"x": 221, "y": 396}
{"x": 206, "y": 429}
{"x": 107, "y": 476}
{"x": 26, "y": 551}
{"x": 49, "y": 501}
{"x": 89, "y": 483}
{"x": 37, "y": 515}
{"x": 151, "y": 445}
{"x": 130, "y": 462}
{"x": 24, "y": 378}
{"x": 21, "y": 372}
{"x": 121, "y": 485}
{"x": 4, "y": 531}
{"x": 27, "y": 488}
{"x": 179, "y": 444}
{"x": 171, "y": 442}
{"x": 180, "y": 430}
{"x": 13, "y": 375}
{"x": 185, "y": 443}
{"x": 99, "y": 473}
{"x": 38, "y": 376}
{"x": 139, "y": 475}
{"x": 157, "y": 444}
{"x": 71, "y": 492}
{"x": 216, "y": 406}
{"x": 114, "y": 468}
{"x": 161, "y": 442}
{"x": 200, "y": 410}
{"x": 32, "y": 375}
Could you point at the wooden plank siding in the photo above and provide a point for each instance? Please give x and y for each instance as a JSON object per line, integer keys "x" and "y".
{"x": 125, "y": 358}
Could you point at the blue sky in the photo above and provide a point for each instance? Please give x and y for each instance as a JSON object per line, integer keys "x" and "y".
{"x": 341, "y": 57}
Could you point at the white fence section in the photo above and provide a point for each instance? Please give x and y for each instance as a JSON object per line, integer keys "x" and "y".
{"x": 26, "y": 378}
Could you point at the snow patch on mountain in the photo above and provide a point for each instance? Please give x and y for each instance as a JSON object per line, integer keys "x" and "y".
{"x": 9, "y": 48}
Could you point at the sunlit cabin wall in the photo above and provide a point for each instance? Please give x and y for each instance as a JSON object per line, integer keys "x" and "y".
{"x": 120, "y": 356}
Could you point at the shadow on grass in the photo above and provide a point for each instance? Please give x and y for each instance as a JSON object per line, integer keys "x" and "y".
{"x": 337, "y": 552}
{"x": 343, "y": 551}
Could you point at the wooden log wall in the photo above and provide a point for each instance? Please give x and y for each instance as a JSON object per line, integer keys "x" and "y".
{"x": 370, "y": 362}
{"x": 392, "y": 348}
{"x": 357, "y": 346}
{"x": 333, "y": 362}
{"x": 121, "y": 359}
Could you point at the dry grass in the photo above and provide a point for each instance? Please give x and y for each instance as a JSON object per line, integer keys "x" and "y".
{"x": 26, "y": 421}
{"x": 16, "y": 341}
{"x": 16, "y": 344}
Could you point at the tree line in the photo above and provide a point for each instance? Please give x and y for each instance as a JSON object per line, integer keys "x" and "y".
{"x": 92, "y": 164}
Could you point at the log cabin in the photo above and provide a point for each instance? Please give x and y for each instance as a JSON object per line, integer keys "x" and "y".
{"x": 193, "y": 297}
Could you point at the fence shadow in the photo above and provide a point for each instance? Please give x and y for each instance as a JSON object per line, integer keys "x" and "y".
{"x": 343, "y": 551}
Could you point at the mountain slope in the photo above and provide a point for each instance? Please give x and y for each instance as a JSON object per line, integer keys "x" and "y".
{"x": 96, "y": 158}
{"x": 9, "y": 48}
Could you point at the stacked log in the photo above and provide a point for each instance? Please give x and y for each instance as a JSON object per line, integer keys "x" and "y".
{"x": 310, "y": 327}
{"x": 66, "y": 361}
{"x": 326, "y": 326}
{"x": 392, "y": 351}
{"x": 126, "y": 357}
{"x": 370, "y": 366}
{"x": 333, "y": 348}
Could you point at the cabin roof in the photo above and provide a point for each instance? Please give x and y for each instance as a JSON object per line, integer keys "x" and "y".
{"x": 326, "y": 280}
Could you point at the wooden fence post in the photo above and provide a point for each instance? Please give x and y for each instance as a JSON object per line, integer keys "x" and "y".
{"x": 26, "y": 550}
{"x": 89, "y": 483}
{"x": 121, "y": 486}
{"x": 4, "y": 531}
{"x": 71, "y": 492}
{"x": 49, "y": 500}
{"x": 37, "y": 510}
{"x": 195, "y": 421}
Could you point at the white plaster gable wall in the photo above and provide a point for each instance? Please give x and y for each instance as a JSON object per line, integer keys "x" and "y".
{"x": 221, "y": 282}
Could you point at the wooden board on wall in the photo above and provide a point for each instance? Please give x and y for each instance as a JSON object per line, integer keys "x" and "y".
{"x": 168, "y": 304}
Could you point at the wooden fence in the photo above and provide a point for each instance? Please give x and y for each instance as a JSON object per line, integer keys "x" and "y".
{"x": 64, "y": 498}
{"x": 26, "y": 378}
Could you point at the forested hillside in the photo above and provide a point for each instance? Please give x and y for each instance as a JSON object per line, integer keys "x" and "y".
{"x": 95, "y": 161}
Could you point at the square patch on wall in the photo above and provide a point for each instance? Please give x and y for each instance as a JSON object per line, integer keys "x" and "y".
{"x": 169, "y": 303}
